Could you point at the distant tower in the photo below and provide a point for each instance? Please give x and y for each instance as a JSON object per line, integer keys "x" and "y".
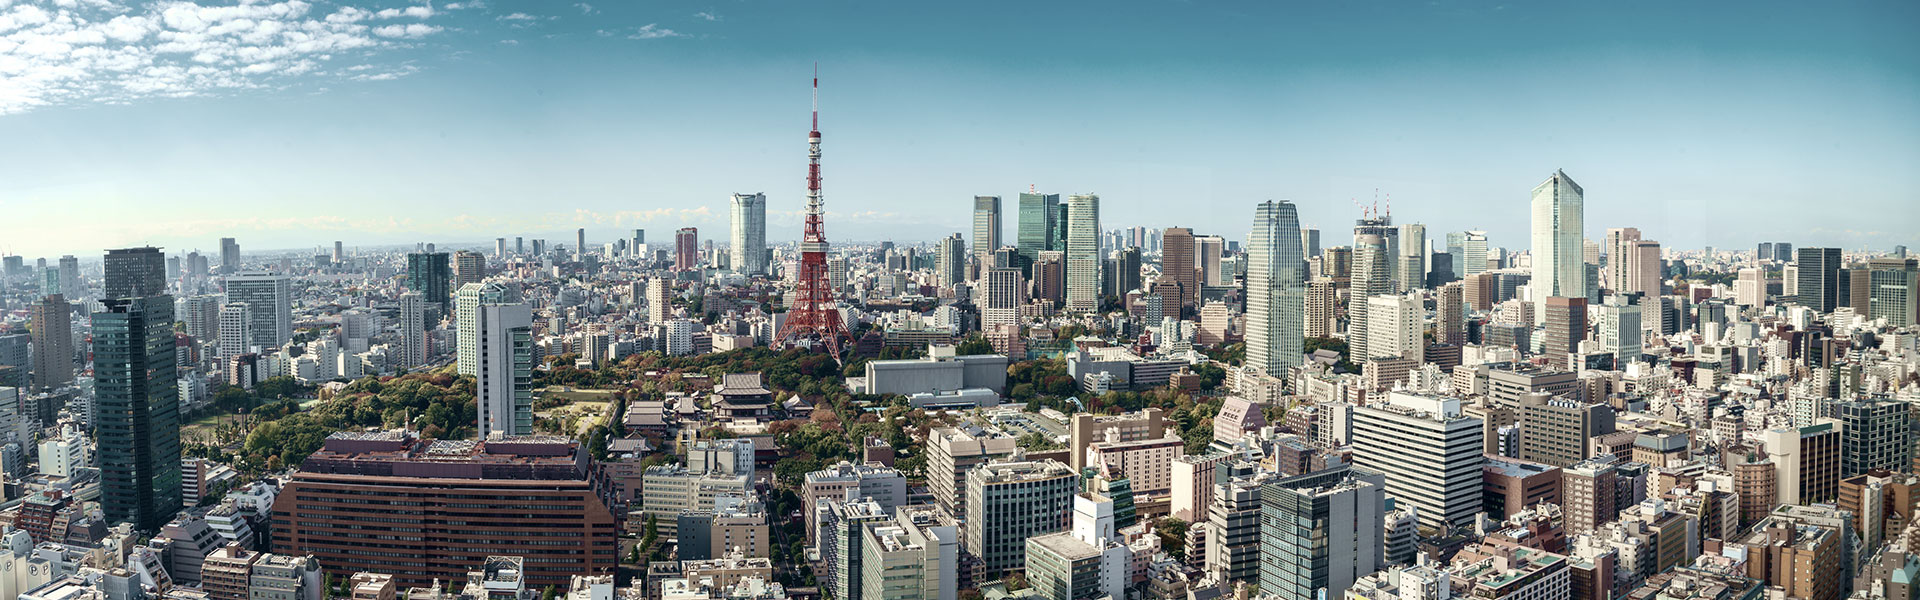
{"x": 813, "y": 315}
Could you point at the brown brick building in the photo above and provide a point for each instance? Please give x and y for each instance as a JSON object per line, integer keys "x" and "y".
{"x": 422, "y": 510}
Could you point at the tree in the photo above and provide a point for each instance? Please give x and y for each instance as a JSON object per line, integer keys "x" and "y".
{"x": 1173, "y": 536}
{"x": 1015, "y": 581}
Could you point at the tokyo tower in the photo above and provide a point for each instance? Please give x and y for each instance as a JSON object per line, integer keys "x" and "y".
{"x": 813, "y": 316}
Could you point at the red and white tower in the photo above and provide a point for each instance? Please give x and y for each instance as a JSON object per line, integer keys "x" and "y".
{"x": 814, "y": 316}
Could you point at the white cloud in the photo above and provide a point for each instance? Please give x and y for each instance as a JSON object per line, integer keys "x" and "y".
{"x": 519, "y": 16}
{"x": 706, "y": 15}
{"x": 585, "y": 9}
{"x": 653, "y": 31}
{"x": 115, "y": 51}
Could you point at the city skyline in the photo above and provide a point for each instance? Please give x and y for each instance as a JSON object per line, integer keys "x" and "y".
{"x": 1678, "y": 124}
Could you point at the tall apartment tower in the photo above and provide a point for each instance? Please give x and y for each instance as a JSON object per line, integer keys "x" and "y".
{"x": 1341, "y": 522}
{"x": 1590, "y": 493}
{"x": 580, "y": 244}
{"x": 747, "y": 233}
{"x": 69, "y": 284}
{"x": 1450, "y": 314}
{"x": 1322, "y": 304}
{"x": 1429, "y": 451}
{"x": 1371, "y": 277}
{"x": 1083, "y": 253}
{"x": 686, "y": 249}
{"x": 1559, "y": 268}
{"x": 202, "y": 315}
{"x": 413, "y": 329}
{"x": 1035, "y": 229}
{"x": 339, "y": 252}
{"x": 1176, "y": 269}
{"x": 496, "y": 341}
{"x": 52, "y": 322}
{"x": 137, "y": 420}
{"x": 950, "y": 261}
{"x": 1393, "y": 327}
{"x": 986, "y": 225}
{"x": 1566, "y": 325}
{"x": 236, "y": 329}
{"x": 659, "y": 300}
{"x": 1276, "y": 289}
{"x": 1819, "y": 277}
{"x": 270, "y": 302}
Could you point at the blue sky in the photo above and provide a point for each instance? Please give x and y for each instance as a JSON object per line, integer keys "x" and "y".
{"x": 291, "y": 124}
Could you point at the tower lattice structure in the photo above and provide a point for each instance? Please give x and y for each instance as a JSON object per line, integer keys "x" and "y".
{"x": 814, "y": 316}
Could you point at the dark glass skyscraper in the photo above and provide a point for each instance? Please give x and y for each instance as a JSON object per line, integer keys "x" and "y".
{"x": 1035, "y": 228}
{"x": 1321, "y": 531}
{"x": 138, "y": 421}
{"x": 135, "y": 273}
{"x": 1819, "y": 277}
{"x": 429, "y": 274}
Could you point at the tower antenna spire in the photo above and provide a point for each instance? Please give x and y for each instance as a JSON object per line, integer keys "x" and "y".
{"x": 816, "y": 96}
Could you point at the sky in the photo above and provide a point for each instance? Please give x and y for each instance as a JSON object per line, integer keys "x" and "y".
{"x": 291, "y": 124}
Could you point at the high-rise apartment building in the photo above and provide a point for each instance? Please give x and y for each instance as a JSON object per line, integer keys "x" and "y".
{"x": 1321, "y": 307}
{"x": 1179, "y": 281}
{"x": 1276, "y": 290}
{"x": 1083, "y": 255}
{"x": 1371, "y": 277}
{"x": 1393, "y": 327}
{"x": 1450, "y": 314}
{"x": 950, "y": 261}
{"x": 748, "y": 229}
{"x": 202, "y": 315}
{"x": 430, "y": 274}
{"x": 137, "y": 419}
{"x": 52, "y": 323}
{"x": 236, "y": 329}
{"x": 1819, "y": 273}
{"x": 686, "y": 249}
{"x": 1559, "y": 267}
{"x": 413, "y": 330}
{"x": 986, "y": 225}
{"x": 659, "y": 300}
{"x": 270, "y": 302}
{"x": 1429, "y": 451}
{"x": 1566, "y": 327}
{"x": 69, "y": 278}
{"x": 1411, "y": 267}
{"x": 1010, "y": 501}
{"x": 532, "y": 497}
{"x": 1320, "y": 532}
{"x": 580, "y": 244}
{"x": 1590, "y": 494}
{"x": 496, "y": 340}
{"x": 468, "y": 267}
{"x": 1050, "y": 277}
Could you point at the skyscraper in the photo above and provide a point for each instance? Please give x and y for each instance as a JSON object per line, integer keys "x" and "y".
{"x": 1819, "y": 277}
{"x": 236, "y": 330}
{"x": 1411, "y": 272}
{"x": 986, "y": 225}
{"x": 468, "y": 267}
{"x": 950, "y": 261}
{"x": 52, "y": 322}
{"x": 686, "y": 249}
{"x": 430, "y": 274}
{"x": 1319, "y": 532}
{"x": 413, "y": 329}
{"x": 1893, "y": 291}
{"x": 202, "y": 314}
{"x": 1177, "y": 275}
{"x": 1472, "y": 259}
{"x": 580, "y": 244}
{"x": 1393, "y": 327}
{"x": 1127, "y": 277}
{"x": 339, "y": 252}
{"x": 1004, "y": 291}
{"x": 639, "y": 242}
{"x": 271, "y": 304}
{"x": 229, "y": 256}
{"x": 70, "y": 278}
{"x": 1370, "y": 278}
{"x": 1449, "y": 314}
{"x": 134, "y": 273}
{"x": 1558, "y": 263}
{"x": 748, "y": 228}
{"x": 1083, "y": 253}
{"x": 1620, "y": 331}
{"x": 137, "y": 420}
{"x": 1875, "y": 435}
{"x": 1566, "y": 324}
{"x": 1276, "y": 289}
{"x": 1036, "y": 227}
{"x": 496, "y": 343}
